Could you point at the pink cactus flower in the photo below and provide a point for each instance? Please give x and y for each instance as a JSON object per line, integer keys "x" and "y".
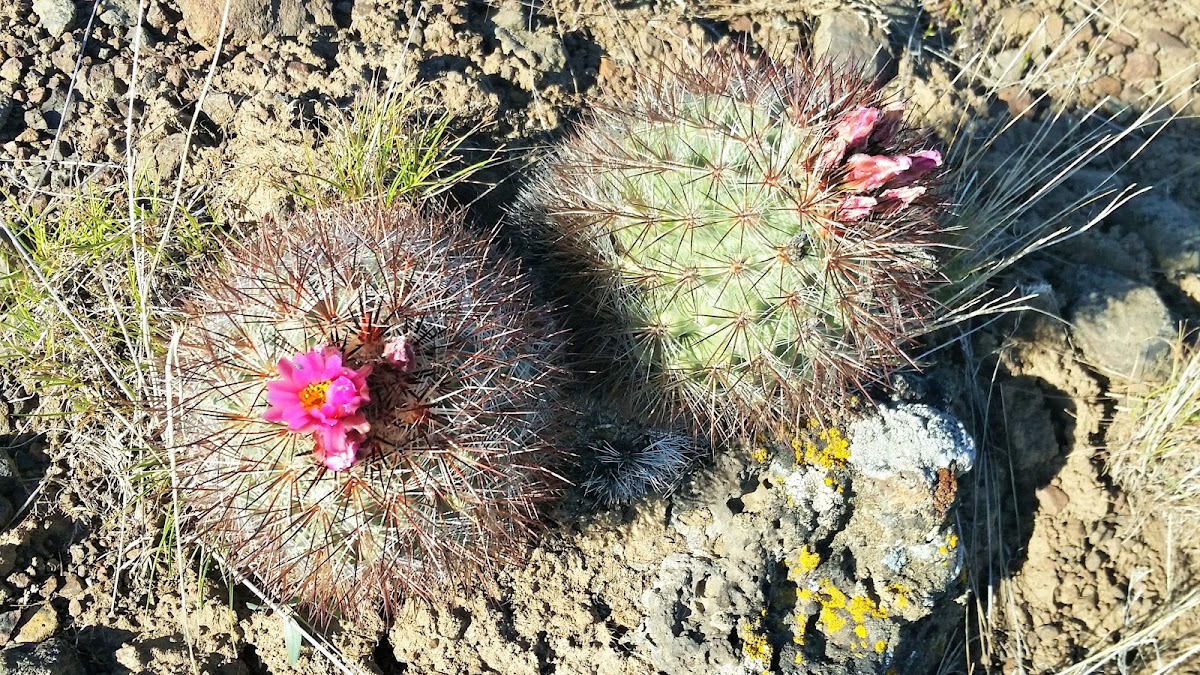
{"x": 316, "y": 393}
{"x": 855, "y": 207}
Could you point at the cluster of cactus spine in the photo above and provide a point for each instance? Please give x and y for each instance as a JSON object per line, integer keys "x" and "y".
{"x": 743, "y": 241}
{"x": 461, "y": 446}
{"x": 626, "y": 463}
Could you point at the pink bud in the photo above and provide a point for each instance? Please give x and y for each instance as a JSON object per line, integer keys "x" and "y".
{"x": 399, "y": 352}
{"x": 856, "y": 128}
{"x": 849, "y": 133}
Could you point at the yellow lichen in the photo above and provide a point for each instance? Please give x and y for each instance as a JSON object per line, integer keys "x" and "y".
{"x": 759, "y": 453}
{"x": 802, "y": 564}
{"x": 901, "y": 595}
{"x": 754, "y": 643}
{"x": 823, "y": 447}
{"x": 880, "y": 646}
{"x": 837, "y": 610}
{"x": 860, "y": 607}
{"x": 834, "y": 597}
{"x": 831, "y": 619}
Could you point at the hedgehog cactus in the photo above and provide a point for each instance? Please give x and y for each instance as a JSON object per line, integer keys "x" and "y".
{"x": 742, "y": 240}
{"x": 368, "y": 412}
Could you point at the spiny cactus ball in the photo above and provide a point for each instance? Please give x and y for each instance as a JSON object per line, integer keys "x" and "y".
{"x": 369, "y": 408}
{"x": 742, "y": 240}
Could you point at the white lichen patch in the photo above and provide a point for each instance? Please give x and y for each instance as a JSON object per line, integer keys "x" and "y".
{"x": 910, "y": 438}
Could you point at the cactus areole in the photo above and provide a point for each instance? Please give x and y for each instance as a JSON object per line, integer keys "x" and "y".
{"x": 747, "y": 241}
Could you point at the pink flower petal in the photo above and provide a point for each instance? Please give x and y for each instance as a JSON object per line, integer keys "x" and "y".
{"x": 312, "y": 363}
{"x": 856, "y": 127}
{"x": 337, "y": 448}
{"x": 854, "y": 207}
{"x": 920, "y": 164}
{"x": 342, "y": 393}
{"x": 356, "y": 422}
{"x": 868, "y": 172}
{"x": 284, "y": 391}
{"x": 286, "y": 371}
{"x": 904, "y": 195}
{"x": 831, "y": 155}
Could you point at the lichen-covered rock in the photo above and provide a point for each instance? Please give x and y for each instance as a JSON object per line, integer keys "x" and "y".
{"x": 820, "y": 553}
{"x": 910, "y": 438}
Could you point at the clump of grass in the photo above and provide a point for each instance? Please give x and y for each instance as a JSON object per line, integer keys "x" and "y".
{"x": 392, "y": 146}
{"x": 1157, "y": 464}
{"x": 75, "y": 323}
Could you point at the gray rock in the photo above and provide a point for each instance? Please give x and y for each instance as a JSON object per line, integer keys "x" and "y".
{"x": 8, "y": 623}
{"x": 34, "y": 119}
{"x": 98, "y": 83}
{"x": 164, "y": 158}
{"x": 52, "y": 657}
{"x": 541, "y": 50}
{"x": 118, "y": 12}
{"x": 846, "y": 37}
{"x": 55, "y": 15}
{"x": 1007, "y": 67}
{"x": 252, "y": 20}
{"x": 219, "y": 107}
{"x": 1122, "y": 327}
{"x": 910, "y": 439}
{"x": 11, "y": 70}
{"x": 1170, "y": 231}
{"x": 1139, "y": 66}
{"x": 5, "y": 106}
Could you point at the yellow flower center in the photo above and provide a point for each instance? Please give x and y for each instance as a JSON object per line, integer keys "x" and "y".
{"x": 313, "y": 396}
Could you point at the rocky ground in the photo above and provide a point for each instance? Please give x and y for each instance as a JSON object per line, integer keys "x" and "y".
{"x": 1023, "y": 556}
